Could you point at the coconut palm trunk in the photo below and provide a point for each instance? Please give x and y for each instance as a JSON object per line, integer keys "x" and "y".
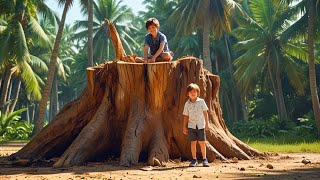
{"x": 53, "y": 108}
{"x": 39, "y": 121}
{"x": 5, "y": 88}
{"x": 17, "y": 88}
{"x": 312, "y": 71}
{"x": 275, "y": 90}
{"x": 206, "y": 46}
{"x": 90, "y": 32}
{"x": 234, "y": 90}
{"x": 279, "y": 94}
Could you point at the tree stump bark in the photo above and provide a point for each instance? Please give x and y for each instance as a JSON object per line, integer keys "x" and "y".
{"x": 134, "y": 110}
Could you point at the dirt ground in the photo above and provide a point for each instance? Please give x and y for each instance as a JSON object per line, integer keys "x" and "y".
{"x": 284, "y": 166}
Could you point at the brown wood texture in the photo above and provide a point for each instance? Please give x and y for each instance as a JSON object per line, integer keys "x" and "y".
{"x": 131, "y": 111}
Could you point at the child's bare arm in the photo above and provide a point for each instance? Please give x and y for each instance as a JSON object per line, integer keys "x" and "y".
{"x": 185, "y": 122}
{"x": 158, "y": 52}
{"x": 145, "y": 55}
{"x": 205, "y": 113}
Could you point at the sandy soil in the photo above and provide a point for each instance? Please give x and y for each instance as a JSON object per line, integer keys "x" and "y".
{"x": 285, "y": 166}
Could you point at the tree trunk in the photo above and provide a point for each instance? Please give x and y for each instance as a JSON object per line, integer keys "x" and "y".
{"x": 28, "y": 114}
{"x": 39, "y": 121}
{"x": 234, "y": 90}
{"x": 16, "y": 95}
{"x": 54, "y": 99}
{"x": 245, "y": 110}
{"x": 279, "y": 94}
{"x": 5, "y": 88}
{"x": 275, "y": 91}
{"x": 90, "y": 32}
{"x": 312, "y": 71}
{"x": 34, "y": 113}
{"x": 206, "y": 46}
{"x": 50, "y": 108}
{"x": 132, "y": 110}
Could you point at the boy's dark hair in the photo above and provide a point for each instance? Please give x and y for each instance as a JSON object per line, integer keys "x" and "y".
{"x": 193, "y": 86}
{"x": 152, "y": 21}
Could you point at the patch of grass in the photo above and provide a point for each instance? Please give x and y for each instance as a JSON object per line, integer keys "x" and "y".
{"x": 14, "y": 141}
{"x": 287, "y": 148}
{"x": 284, "y": 144}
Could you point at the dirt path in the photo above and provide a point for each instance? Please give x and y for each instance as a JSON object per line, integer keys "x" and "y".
{"x": 285, "y": 166}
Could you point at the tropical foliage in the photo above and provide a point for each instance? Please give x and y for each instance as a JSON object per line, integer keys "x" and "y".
{"x": 13, "y": 129}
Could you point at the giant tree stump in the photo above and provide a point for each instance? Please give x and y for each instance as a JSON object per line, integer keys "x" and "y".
{"x": 134, "y": 110}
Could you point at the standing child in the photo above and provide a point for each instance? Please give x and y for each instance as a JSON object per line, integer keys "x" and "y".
{"x": 196, "y": 116}
{"x": 156, "y": 42}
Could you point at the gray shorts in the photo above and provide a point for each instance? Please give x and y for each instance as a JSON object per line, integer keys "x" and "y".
{"x": 196, "y": 134}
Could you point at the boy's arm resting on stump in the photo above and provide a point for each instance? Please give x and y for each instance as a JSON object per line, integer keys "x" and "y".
{"x": 185, "y": 122}
{"x": 161, "y": 47}
{"x": 205, "y": 114}
{"x": 145, "y": 55}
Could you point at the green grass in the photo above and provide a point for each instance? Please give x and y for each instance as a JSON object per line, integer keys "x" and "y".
{"x": 287, "y": 148}
{"x": 14, "y": 141}
{"x": 284, "y": 144}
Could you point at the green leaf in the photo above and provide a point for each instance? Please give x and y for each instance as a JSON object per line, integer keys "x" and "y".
{"x": 38, "y": 34}
{"x": 38, "y": 64}
{"x": 295, "y": 75}
{"x": 29, "y": 79}
{"x": 7, "y": 119}
{"x": 21, "y": 48}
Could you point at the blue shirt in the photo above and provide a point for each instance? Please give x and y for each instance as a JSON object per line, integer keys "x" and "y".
{"x": 154, "y": 44}
{"x": 195, "y": 113}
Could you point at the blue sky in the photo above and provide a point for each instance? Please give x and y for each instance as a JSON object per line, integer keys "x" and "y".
{"x": 74, "y": 13}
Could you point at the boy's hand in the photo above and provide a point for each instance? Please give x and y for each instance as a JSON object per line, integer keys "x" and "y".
{"x": 185, "y": 130}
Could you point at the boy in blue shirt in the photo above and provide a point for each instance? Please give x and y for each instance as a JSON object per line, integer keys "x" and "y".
{"x": 196, "y": 116}
{"x": 156, "y": 42}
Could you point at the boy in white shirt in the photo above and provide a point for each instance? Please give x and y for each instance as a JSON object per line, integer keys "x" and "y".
{"x": 196, "y": 116}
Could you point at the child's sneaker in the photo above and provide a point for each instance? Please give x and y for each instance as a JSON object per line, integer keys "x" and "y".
{"x": 205, "y": 163}
{"x": 193, "y": 163}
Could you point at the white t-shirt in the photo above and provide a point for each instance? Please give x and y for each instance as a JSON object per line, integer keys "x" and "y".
{"x": 195, "y": 113}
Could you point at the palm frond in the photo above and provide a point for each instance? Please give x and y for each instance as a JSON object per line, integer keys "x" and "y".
{"x": 60, "y": 69}
{"x": 47, "y": 13}
{"x": 247, "y": 72}
{"x": 295, "y": 75}
{"x": 300, "y": 52}
{"x": 38, "y": 64}
{"x": 296, "y": 32}
{"x": 6, "y": 40}
{"x": 29, "y": 79}
{"x": 38, "y": 34}
{"x": 21, "y": 48}
{"x": 263, "y": 12}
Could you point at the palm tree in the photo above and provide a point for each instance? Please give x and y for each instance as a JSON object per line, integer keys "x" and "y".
{"x": 39, "y": 121}
{"x": 312, "y": 71}
{"x": 18, "y": 34}
{"x": 90, "y": 32}
{"x": 207, "y": 15}
{"x": 117, "y": 13}
{"x": 308, "y": 21}
{"x": 267, "y": 50}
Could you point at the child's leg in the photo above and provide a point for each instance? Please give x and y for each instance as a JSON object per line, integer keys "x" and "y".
{"x": 203, "y": 149}
{"x": 139, "y": 60}
{"x": 194, "y": 149}
{"x": 165, "y": 56}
